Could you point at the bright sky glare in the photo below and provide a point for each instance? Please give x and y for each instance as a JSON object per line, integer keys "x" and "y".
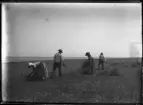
{"x": 39, "y": 30}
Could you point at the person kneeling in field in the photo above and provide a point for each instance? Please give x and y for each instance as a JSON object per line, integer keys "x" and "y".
{"x": 89, "y": 65}
{"x": 40, "y": 70}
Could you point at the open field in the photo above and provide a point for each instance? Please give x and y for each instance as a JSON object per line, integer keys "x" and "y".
{"x": 119, "y": 82}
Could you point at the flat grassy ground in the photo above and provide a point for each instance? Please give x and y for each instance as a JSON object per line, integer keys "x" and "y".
{"x": 119, "y": 82}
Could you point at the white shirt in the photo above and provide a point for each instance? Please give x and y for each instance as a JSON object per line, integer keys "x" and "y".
{"x": 33, "y": 64}
{"x": 58, "y": 57}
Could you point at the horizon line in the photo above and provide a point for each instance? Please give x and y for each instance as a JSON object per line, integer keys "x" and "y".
{"x": 63, "y": 57}
{"x": 27, "y": 59}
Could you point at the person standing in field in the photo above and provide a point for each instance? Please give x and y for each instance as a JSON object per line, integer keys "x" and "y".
{"x": 58, "y": 62}
{"x": 101, "y": 61}
{"x": 91, "y": 62}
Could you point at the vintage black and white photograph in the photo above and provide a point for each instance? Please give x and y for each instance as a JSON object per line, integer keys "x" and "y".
{"x": 72, "y": 52}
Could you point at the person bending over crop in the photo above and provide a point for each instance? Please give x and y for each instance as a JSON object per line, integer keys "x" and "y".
{"x": 91, "y": 63}
{"x": 39, "y": 69}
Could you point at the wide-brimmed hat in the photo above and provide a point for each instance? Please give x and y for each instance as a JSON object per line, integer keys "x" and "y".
{"x": 60, "y": 50}
{"x": 87, "y": 53}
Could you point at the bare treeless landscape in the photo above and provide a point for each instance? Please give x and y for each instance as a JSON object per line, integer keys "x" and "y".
{"x": 75, "y": 32}
{"x": 119, "y": 82}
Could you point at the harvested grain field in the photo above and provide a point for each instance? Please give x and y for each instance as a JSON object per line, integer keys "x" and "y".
{"x": 119, "y": 82}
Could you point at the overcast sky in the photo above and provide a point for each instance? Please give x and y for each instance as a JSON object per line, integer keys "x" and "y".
{"x": 39, "y": 30}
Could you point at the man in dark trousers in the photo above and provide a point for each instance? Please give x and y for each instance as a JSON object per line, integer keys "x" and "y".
{"x": 91, "y": 62}
{"x": 58, "y": 62}
{"x": 101, "y": 61}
